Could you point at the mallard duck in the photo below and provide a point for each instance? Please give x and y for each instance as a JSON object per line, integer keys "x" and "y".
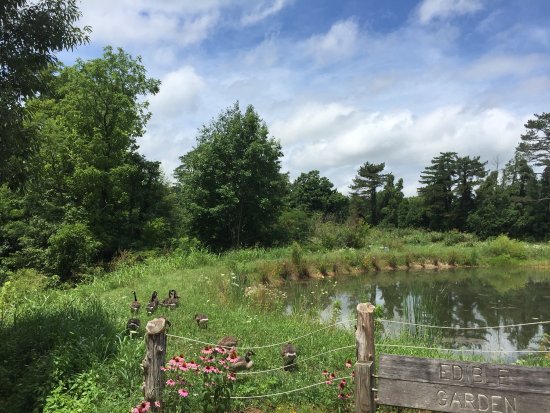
{"x": 243, "y": 363}
{"x": 132, "y": 326}
{"x": 202, "y": 320}
{"x": 135, "y": 306}
{"x": 228, "y": 342}
{"x": 289, "y": 354}
{"x": 153, "y": 304}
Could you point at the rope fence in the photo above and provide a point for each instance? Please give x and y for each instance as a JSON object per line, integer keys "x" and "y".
{"x": 260, "y": 396}
{"x": 357, "y": 347}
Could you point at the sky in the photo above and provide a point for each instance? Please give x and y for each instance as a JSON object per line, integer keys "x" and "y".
{"x": 338, "y": 82}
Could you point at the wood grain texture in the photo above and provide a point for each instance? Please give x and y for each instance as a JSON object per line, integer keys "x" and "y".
{"x": 364, "y": 396}
{"x": 459, "y": 386}
{"x": 155, "y": 358}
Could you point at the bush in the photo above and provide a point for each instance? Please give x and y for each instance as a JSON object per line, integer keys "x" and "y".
{"x": 502, "y": 245}
{"x": 71, "y": 249}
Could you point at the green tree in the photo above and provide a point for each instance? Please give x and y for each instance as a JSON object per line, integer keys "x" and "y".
{"x": 390, "y": 199}
{"x": 469, "y": 173}
{"x": 314, "y": 193}
{"x": 86, "y": 173}
{"x": 230, "y": 184}
{"x": 31, "y": 32}
{"x": 437, "y": 190}
{"x": 364, "y": 188}
{"x": 535, "y": 145}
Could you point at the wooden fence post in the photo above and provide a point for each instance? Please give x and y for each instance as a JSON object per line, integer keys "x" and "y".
{"x": 364, "y": 367}
{"x": 155, "y": 358}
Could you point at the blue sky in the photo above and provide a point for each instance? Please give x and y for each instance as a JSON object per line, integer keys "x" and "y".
{"x": 341, "y": 82}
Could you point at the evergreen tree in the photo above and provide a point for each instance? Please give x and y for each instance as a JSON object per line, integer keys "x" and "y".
{"x": 364, "y": 189}
{"x": 437, "y": 192}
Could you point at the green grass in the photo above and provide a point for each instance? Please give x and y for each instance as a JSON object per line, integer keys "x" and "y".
{"x": 66, "y": 350}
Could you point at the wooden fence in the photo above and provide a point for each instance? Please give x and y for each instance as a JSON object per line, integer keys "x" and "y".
{"x": 431, "y": 384}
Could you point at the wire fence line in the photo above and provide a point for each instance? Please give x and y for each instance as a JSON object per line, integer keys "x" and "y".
{"x": 267, "y": 345}
{"x": 354, "y": 320}
{"x": 293, "y": 364}
{"x": 462, "y": 349}
{"x": 460, "y": 328}
{"x": 260, "y": 396}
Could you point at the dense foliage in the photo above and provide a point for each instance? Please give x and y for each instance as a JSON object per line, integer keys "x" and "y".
{"x": 75, "y": 192}
{"x": 230, "y": 184}
{"x": 30, "y": 34}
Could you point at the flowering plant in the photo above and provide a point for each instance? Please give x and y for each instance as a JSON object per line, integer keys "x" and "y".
{"x": 207, "y": 382}
{"x": 344, "y": 388}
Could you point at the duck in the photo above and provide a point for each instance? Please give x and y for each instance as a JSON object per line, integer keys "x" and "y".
{"x": 243, "y": 363}
{"x": 228, "y": 342}
{"x": 202, "y": 320}
{"x": 136, "y": 305}
{"x": 133, "y": 325}
{"x": 175, "y": 298}
{"x": 153, "y": 304}
{"x": 289, "y": 354}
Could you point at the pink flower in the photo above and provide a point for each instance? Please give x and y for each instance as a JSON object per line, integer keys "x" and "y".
{"x": 207, "y": 350}
{"x": 232, "y": 376}
{"x": 183, "y": 392}
{"x": 220, "y": 350}
{"x": 170, "y": 382}
{"x": 348, "y": 364}
{"x": 342, "y": 384}
{"x": 184, "y": 366}
{"x": 343, "y": 396}
{"x": 157, "y": 404}
{"x": 325, "y": 373}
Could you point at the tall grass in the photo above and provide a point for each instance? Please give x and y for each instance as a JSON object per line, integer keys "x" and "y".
{"x": 66, "y": 350}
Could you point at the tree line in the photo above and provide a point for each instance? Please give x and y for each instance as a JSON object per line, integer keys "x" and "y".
{"x": 74, "y": 190}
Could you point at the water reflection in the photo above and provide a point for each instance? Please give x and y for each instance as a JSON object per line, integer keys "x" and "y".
{"x": 454, "y": 298}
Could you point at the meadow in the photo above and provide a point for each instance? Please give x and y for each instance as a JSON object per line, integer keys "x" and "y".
{"x": 66, "y": 348}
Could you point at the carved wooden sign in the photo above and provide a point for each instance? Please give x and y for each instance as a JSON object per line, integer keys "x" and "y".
{"x": 460, "y": 386}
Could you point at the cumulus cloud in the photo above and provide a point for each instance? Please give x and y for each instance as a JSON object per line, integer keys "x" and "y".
{"x": 262, "y": 11}
{"x": 342, "y": 138}
{"x": 149, "y": 23}
{"x": 179, "y": 92}
{"x": 444, "y": 9}
{"x": 341, "y": 41}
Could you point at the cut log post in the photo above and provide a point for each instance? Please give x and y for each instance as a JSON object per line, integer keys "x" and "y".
{"x": 364, "y": 368}
{"x": 155, "y": 358}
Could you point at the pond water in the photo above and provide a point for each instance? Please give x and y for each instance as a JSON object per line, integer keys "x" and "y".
{"x": 453, "y": 298}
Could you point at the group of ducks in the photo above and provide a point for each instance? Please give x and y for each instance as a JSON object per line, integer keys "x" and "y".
{"x": 288, "y": 354}
{"x": 288, "y": 350}
{"x": 171, "y": 301}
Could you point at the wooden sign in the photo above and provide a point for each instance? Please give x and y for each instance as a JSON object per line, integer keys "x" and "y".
{"x": 460, "y": 387}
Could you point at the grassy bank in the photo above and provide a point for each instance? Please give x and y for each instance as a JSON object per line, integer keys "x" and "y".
{"x": 66, "y": 350}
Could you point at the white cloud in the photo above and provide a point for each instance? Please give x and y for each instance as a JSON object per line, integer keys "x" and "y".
{"x": 443, "y": 9}
{"x": 262, "y": 11}
{"x": 341, "y": 41}
{"x": 497, "y": 65}
{"x": 340, "y": 137}
{"x": 149, "y": 23}
{"x": 179, "y": 92}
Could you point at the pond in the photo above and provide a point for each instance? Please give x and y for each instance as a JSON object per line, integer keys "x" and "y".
{"x": 453, "y": 298}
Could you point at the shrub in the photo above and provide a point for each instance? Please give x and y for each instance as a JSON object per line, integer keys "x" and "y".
{"x": 502, "y": 245}
{"x": 71, "y": 249}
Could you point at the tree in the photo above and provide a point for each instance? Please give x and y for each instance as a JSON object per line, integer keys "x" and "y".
{"x": 31, "y": 32}
{"x": 364, "y": 186}
{"x": 86, "y": 169}
{"x": 390, "y": 199}
{"x": 437, "y": 192}
{"x": 469, "y": 172}
{"x": 314, "y": 193}
{"x": 535, "y": 143}
{"x": 230, "y": 184}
